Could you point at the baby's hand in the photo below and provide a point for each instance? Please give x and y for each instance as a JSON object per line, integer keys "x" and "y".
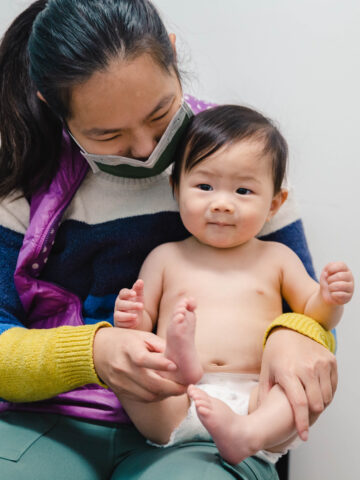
{"x": 129, "y": 306}
{"x": 336, "y": 283}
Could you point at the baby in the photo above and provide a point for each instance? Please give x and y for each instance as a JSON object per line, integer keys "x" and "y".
{"x": 227, "y": 181}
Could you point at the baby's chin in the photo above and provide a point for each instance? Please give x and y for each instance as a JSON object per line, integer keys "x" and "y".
{"x": 222, "y": 243}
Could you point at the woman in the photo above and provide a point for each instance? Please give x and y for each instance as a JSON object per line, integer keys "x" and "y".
{"x": 95, "y": 83}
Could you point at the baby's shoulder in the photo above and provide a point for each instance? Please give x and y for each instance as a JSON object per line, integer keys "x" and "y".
{"x": 276, "y": 250}
{"x": 165, "y": 251}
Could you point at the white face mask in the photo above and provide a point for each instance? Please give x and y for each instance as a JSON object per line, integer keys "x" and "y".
{"x": 158, "y": 161}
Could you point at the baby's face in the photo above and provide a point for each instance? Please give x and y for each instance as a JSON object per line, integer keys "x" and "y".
{"x": 226, "y": 199}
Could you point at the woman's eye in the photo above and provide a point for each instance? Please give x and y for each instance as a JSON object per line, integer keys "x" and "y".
{"x": 109, "y": 139}
{"x": 205, "y": 187}
{"x": 243, "y": 191}
{"x": 160, "y": 117}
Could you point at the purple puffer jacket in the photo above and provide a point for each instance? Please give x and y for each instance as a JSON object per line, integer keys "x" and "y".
{"x": 48, "y": 305}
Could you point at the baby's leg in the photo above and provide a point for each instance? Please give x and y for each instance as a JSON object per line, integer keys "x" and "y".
{"x": 267, "y": 427}
{"x": 157, "y": 420}
{"x": 180, "y": 344}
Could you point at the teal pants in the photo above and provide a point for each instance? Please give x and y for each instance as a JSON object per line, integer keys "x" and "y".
{"x": 44, "y": 446}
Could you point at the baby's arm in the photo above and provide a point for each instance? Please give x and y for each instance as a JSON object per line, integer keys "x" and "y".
{"x": 138, "y": 307}
{"x": 323, "y": 301}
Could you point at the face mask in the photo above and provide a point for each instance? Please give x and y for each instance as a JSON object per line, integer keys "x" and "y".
{"x": 161, "y": 157}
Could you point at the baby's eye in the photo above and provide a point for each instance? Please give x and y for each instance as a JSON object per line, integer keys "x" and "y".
{"x": 243, "y": 191}
{"x": 205, "y": 187}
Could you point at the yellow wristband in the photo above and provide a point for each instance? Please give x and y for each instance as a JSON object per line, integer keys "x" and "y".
{"x": 305, "y": 325}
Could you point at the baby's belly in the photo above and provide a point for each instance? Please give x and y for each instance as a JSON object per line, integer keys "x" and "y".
{"x": 232, "y": 342}
{"x": 237, "y": 350}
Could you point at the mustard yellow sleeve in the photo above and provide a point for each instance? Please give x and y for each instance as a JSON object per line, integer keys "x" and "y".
{"x": 39, "y": 364}
{"x": 305, "y": 325}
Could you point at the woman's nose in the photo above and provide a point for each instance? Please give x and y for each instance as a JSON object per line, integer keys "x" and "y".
{"x": 143, "y": 144}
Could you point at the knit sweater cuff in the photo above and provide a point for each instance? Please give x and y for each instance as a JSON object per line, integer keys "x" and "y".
{"x": 305, "y": 325}
{"x": 39, "y": 364}
{"x": 74, "y": 354}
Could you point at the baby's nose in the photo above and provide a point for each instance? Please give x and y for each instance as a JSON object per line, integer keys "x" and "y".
{"x": 222, "y": 206}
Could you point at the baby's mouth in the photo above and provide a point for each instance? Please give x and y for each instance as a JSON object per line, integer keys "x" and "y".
{"x": 221, "y": 224}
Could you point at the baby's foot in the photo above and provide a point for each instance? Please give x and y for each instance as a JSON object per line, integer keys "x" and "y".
{"x": 180, "y": 344}
{"x": 231, "y": 432}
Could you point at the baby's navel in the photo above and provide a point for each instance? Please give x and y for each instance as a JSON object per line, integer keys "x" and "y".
{"x": 217, "y": 363}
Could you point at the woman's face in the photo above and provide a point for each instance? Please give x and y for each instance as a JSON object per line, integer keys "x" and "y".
{"x": 125, "y": 109}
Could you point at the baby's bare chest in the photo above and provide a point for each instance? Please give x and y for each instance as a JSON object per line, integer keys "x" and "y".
{"x": 235, "y": 285}
{"x": 234, "y": 308}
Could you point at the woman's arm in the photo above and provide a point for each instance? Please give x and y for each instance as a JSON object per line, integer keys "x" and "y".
{"x": 34, "y": 364}
{"x": 309, "y": 374}
{"x": 305, "y": 369}
{"x": 38, "y": 364}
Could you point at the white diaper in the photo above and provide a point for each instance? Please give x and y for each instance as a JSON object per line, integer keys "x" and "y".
{"x": 234, "y": 390}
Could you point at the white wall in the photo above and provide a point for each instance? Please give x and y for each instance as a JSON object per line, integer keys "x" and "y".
{"x": 299, "y": 63}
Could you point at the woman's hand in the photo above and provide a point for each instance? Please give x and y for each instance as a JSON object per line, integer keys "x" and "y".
{"x": 305, "y": 370}
{"x": 129, "y": 362}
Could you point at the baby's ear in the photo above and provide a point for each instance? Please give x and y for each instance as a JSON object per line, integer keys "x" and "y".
{"x": 173, "y": 187}
{"x": 277, "y": 201}
{"x": 172, "y": 38}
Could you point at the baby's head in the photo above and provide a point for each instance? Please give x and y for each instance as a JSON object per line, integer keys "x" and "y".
{"x": 225, "y": 125}
{"x": 228, "y": 175}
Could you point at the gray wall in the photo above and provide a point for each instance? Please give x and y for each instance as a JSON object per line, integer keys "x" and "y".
{"x": 298, "y": 62}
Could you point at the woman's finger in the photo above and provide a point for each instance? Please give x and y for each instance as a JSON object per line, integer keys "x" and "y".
{"x": 164, "y": 387}
{"x": 334, "y": 375}
{"x": 296, "y": 395}
{"x": 153, "y": 361}
{"x": 147, "y": 386}
{"x": 264, "y": 384}
{"x": 154, "y": 343}
{"x": 314, "y": 394}
{"x": 133, "y": 389}
{"x": 326, "y": 387}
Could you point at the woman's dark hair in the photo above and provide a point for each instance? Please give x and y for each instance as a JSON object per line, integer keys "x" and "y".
{"x": 50, "y": 47}
{"x": 226, "y": 124}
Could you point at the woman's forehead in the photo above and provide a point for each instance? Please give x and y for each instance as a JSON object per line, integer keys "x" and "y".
{"x": 126, "y": 93}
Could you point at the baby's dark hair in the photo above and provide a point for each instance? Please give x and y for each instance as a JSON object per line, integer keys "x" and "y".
{"x": 226, "y": 124}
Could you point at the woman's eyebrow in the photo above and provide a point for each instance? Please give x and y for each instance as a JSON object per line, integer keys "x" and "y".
{"x": 164, "y": 101}
{"x": 96, "y": 131}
